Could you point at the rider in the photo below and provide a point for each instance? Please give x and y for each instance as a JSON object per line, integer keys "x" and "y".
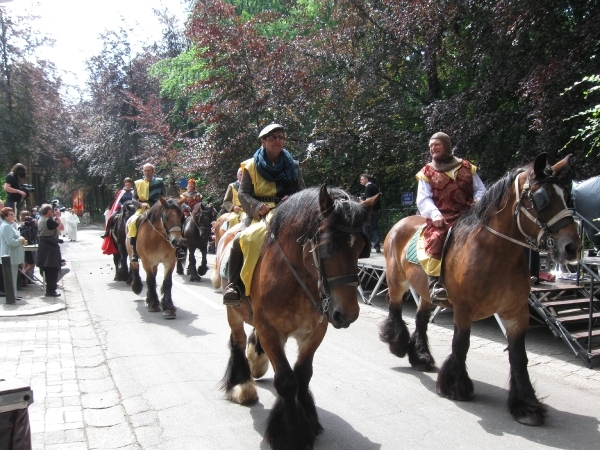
{"x": 147, "y": 192}
{"x": 123, "y": 196}
{"x": 191, "y": 197}
{"x": 447, "y": 186}
{"x": 267, "y": 178}
{"x": 232, "y": 203}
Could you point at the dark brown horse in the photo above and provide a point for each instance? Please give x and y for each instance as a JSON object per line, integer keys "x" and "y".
{"x": 485, "y": 272}
{"x": 305, "y": 279}
{"x": 118, "y": 233}
{"x": 159, "y": 233}
{"x": 197, "y": 229}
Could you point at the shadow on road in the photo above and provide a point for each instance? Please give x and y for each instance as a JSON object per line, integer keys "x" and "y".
{"x": 183, "y": 323}
{"x": 489, "y": 405}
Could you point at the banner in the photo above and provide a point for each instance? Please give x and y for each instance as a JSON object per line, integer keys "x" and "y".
{"x": 78, "y": 202}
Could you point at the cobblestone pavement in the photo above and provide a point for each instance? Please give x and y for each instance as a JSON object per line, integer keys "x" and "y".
{"x": 77, "y": 406}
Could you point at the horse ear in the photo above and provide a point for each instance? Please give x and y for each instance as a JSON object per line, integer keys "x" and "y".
{"x": 162, "y": 200}
{"x": 539, "y": 165}
{"x": 370, "y": 202}
{"x": 561, "y": 165}
{"x": 325, "y": 200}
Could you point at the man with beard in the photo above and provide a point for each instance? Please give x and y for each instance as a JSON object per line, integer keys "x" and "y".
{"x": 447, "y": 186}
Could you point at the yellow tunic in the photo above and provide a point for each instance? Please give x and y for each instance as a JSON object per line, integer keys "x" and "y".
{"x": 142, "y": 189}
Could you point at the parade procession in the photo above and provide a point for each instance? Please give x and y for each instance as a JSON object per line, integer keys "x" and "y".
{"x": 304, "y": 225}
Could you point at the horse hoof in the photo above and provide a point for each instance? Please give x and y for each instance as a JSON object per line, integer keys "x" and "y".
{"x": 534, "y": 420}
{"x": 153, "y": 308}
{"x": 168, "y": 314}
{"x": 243, "y": 394}
{"x": 195, "y": 279}
{"x": 180, "y": 272}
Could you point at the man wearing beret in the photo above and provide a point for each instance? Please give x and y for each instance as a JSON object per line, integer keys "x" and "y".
{"x": 268, "y": 178}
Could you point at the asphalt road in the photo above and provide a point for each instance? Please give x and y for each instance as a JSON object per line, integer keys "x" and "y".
{"x": 166, "y": 376}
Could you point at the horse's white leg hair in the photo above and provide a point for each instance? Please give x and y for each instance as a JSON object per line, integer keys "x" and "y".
{"x": 244, "y": 393}
{"x": 259, "y": 364}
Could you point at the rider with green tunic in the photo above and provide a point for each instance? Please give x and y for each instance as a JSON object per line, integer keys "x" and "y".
{"x": 268, "y": 178}
{"x": 147, "y": 192}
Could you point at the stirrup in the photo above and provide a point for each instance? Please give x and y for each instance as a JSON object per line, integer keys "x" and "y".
{"x": 231, "y": 296}
{"x": 438, "y": 294}
{"x": 135, "y": 258}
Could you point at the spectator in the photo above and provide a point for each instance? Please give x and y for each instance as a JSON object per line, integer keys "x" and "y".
{"x": 28, "y": 229}
{"x": 14, "y": 189}
{"x": 49, "y": 257}
{"x": 371, "y": 225}
{"x": 1, "y": 274}
{"x": 11, "y": 244}
{"x": 72, "y": 220}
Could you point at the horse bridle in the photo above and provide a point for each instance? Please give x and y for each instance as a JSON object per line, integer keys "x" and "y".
{"x": 200, "y": 228}
{"x": 163, "y": 220}
{"x": 538, "y": 200}
{"x": 319, "y": 253}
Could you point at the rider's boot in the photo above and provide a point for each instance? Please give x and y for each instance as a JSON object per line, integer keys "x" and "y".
{"x": 231, "y": 296}
{"x": 134, "y": 255}
{"x": 103, "y": 235}
{"x": 437, "y": 290}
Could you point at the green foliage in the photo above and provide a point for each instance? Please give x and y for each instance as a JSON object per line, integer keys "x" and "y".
{"x": 591, "y": 129}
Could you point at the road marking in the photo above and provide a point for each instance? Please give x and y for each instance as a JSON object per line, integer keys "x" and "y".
{"x": 201, "y": 297}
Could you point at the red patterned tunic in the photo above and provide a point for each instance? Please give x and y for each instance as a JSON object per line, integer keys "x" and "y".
{"x": 452, "y": 197}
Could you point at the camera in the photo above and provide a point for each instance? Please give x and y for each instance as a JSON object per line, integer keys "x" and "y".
{"x": 27, "y": 188}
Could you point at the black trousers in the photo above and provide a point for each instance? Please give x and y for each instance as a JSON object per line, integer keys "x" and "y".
{"x": 51, "y": 275}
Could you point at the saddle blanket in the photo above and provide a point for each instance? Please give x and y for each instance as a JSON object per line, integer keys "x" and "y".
{"x": 411, "y": 251}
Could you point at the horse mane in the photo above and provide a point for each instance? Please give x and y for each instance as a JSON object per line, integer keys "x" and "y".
{"x": 154, "y": 213}
{"x": 480, "y": 214}
{"x": 300, "y": 212}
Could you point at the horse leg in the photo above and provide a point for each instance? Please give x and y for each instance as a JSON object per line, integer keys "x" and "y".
{"x": 151, "y": 297}
{"x": 393, "y": 330}
{"x": 238, "y": 383}
{"x": 453, "y": 380}
{"x": 257, "y": 358}
{"x": 180, "y": 262}
{"x": 166, "y": 303}
{"x": 116, "y": 259}
{"x": 289, "y": 426}
{"x": 204, "y": 267}
{"x": 192, "y": 266}
{"x": 522, "y": 401}
{"x": 419, "y": 355}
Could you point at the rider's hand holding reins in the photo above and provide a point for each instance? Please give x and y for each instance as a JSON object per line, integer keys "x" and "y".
{"x": 264, "y": 210}
{"x": 438, "y": 221}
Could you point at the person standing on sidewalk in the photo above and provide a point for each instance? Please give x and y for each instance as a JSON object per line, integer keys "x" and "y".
{"x": 11, "y": 244}
{"x": 49, "y": 257}
{"x": 371, "y": 225}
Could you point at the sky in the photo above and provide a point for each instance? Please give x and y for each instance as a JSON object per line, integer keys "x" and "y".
{"x": 76, "y": 25}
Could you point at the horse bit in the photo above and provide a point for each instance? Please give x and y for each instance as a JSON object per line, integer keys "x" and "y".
{"x": 319, "y": 253}
{"x": 539, "y": 201}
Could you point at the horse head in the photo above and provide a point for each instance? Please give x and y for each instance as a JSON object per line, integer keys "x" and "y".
{"x": 543, "y": 200}
{"x": 128, "y": 209}
{"x": 171, "y": 217}
{"x": 202, "y": 215}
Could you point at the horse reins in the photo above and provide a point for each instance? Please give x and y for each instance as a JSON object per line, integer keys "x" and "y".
{"x": 167, "y": 230}
{"x": 539, "y": 200}
{"x": 325, "y": 284}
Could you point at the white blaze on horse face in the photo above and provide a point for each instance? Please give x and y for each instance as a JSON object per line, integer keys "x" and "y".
{"x": 561, "y": 193}
{"x": 352, "y": 240}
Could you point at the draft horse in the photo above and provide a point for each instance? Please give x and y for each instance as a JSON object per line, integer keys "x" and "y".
{"x": 196, "y": 232}
{"x": 159, "y": 233}
{"x": 307, "y": 272}
{"x": 485, "y": 272}
{"x": 118, "y": 233}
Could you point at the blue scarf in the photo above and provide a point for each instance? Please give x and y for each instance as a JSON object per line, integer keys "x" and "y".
{"x": 284, "y": 173}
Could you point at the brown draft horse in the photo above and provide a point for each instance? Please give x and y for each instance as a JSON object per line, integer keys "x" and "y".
{"x": 307, "y": 272}
{"x": 159, "y": 233}
{"x": 218, "y": 226}
{"x": 485, "y": 272}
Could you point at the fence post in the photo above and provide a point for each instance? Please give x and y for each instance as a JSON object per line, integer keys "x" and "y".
{"x": 9, "y": 289}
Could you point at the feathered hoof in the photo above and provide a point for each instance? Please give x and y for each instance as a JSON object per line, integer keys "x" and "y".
{"x": 534, "y": 420}
{"x": 243, "y": 394}
{"x": 530, "y": 412}
{"x": 153, "y": 308}
{"x": 169, "y": 314}
{"x": 202, "y": 270}
{"x": 195, "y": 278}
{"x": 259, "y": 363}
